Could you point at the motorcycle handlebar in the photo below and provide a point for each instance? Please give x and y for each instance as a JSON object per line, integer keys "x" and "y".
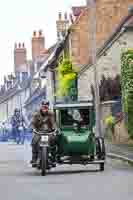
{"x": 43, "y": 132}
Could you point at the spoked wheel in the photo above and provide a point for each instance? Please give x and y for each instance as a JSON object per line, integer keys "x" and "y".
{"x": 101, "y": 167}
{"x": 44, "y": 161}
{"x": 100, "y": 148}
{"x": 100, "y": 151}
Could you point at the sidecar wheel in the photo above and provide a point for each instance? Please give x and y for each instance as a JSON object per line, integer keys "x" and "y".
{"x": 101, "y": 167}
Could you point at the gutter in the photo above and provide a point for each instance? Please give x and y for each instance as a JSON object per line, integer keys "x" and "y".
{"x": 119, "y": 157}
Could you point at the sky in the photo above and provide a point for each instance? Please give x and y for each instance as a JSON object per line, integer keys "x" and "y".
{"x": 18, "y": 20}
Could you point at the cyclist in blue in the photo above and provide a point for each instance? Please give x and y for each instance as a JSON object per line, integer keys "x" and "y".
{"x": 19, "y": 123}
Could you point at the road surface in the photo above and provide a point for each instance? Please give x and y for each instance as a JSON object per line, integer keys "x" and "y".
{"x": 18, "y": 181}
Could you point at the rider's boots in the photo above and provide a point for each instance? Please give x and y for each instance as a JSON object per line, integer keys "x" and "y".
{"x": 34, "y": 159}
{"x": 53, "y": 156}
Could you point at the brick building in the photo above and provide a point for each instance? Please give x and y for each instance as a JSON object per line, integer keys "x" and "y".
{"x": 108, "y": 15}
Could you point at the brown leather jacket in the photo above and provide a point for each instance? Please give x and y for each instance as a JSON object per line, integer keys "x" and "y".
{"x": 41, "y": 122}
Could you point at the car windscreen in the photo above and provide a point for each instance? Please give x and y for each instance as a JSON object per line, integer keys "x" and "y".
{"x": 71, "y": 116}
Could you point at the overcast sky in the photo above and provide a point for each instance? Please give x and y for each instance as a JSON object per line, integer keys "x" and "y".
{"x": 18, "y": 19}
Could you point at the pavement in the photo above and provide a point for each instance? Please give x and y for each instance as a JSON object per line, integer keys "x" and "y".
{"x": 120, "y": 151}
{"x": 19, "y": 181}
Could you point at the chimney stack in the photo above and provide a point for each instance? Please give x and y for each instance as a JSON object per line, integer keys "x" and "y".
{"x": 88, "y": 2}
{"x": 62, "y": 25}
{"x": 38, "y": 44}
{"x": 20, "y": 56}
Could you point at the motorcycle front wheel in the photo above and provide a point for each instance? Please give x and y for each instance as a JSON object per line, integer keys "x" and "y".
{"x": 44, "y": 160}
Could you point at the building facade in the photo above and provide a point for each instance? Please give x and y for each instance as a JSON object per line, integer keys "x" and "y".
{"x": 109, "y": 13}
{"x": 108, "y": 58}
{"x": 13, "y": 98}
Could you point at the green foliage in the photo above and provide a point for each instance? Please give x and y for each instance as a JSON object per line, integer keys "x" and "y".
{"x": 110, "y": 120}
{"x": 110, "y": 124}
{"x": 127, "y": 88}
{"x": 66, "y": 75}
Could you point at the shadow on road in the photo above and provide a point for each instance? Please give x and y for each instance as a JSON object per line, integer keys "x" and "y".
{"x": 72, "y": 172}
{"x": 60, "y": 172}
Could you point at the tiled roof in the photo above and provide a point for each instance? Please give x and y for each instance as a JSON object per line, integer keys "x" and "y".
{"x": 45, "y": 60}
{"x": 38, "y": 92}
{"x": 54, "y": 56}
{"x": 16, "y": 89}
{"x": 82, "y": 13}
{"x": 129, "y": 23}
{"x": 77, "y": 10}
{"x": 10, "y": 92}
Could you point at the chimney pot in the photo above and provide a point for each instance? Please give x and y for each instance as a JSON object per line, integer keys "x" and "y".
{"x": 130, "y": 9}
{"x": 15, "y": 45}
{"x": 19, "y": 45}
{"x": 88, "y": 2}
{"x": 65, "y": 16}
{"x": 71, "y": 18}
{"x": 34, "y": 33}
{"x": 60, "y": 16}
{"x": 40, "y": 32}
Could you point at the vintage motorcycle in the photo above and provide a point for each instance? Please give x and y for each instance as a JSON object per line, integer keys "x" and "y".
{"x": 46, "y": 151}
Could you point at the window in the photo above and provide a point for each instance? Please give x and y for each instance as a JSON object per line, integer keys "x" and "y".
{"x": 68, "y": 117}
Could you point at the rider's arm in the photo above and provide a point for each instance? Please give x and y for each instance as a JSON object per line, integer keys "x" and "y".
{"x": 53, "y": 122}
{"x": 35, "y": 121}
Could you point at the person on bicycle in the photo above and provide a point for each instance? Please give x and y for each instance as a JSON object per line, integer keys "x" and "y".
{"x": 17, "y": 121}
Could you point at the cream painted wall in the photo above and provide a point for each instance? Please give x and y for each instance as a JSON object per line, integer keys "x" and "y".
{"x": 109, "y": 65}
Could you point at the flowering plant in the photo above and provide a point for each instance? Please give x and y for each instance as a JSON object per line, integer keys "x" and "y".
{"x": 66, "y": 75}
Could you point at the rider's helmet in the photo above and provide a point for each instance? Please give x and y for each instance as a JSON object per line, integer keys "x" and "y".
{"x": 44, "y": 106}
{"x": 16, "y": 110}
{"x": 45, "y": 103}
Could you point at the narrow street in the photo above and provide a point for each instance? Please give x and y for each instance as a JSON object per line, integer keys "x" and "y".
{"x": 18, "y": 181}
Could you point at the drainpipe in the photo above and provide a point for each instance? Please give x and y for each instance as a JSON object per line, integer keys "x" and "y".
{"x": 92, "y": 25}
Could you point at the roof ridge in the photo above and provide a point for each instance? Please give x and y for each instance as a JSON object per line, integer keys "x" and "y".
{"x": 79, "y": 17}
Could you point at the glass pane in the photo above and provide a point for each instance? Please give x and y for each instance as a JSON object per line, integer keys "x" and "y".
{"x": 69, "y": 117}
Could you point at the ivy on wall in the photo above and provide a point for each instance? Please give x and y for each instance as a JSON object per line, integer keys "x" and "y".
{"x": 127, "y": 88}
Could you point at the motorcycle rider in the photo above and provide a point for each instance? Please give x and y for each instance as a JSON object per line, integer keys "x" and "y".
{"x": 42, "y": 120}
